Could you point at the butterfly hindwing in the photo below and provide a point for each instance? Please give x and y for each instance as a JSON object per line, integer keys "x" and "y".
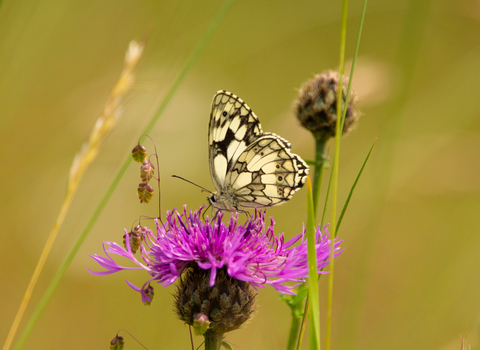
{"x": 249, "y": 168}
{"x": 266, "y": 174}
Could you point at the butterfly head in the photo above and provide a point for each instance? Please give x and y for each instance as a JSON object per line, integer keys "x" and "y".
{"x": 223, "y": 201}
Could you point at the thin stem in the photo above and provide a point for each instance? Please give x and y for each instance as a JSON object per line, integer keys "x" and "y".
{"x": 183, "y": 72}
{"x": 304, "y": 322}
{"x": 338, "y": 135}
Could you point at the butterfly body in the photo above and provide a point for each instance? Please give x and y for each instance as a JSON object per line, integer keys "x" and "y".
{"x": 249, "y": 168}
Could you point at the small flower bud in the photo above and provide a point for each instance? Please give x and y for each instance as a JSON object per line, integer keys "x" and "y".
{"x": 316, "y": 105}
{"x": 139, "y": 153}
{"x": 117, "y": 343}
{"x": 145, "y": 192}
{"x": 200, "y": 324}
{"x": 146, "y": 171}
{"x": 149, "y": 293}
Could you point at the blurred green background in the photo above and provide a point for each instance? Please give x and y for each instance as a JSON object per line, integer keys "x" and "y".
{"x": 409, "y": 275}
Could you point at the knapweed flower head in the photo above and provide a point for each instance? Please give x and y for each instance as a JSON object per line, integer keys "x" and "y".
{"x": 316, "y": 105}
{"x": 249, "y": 252}
{"x": 217, "y": 265}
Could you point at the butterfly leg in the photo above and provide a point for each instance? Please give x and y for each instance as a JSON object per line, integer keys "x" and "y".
{"x": 205, "y": 212}
{"x": 243, "y": 212}
{"x": 214, "y": 216}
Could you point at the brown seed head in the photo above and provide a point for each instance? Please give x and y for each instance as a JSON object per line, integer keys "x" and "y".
{"x": 117, "y": 343}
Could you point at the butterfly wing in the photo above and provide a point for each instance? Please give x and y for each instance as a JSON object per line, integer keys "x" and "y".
{"x": 266, "y": 173}
{"x": 249, "y": 168}
{"x": 232, "y": 129}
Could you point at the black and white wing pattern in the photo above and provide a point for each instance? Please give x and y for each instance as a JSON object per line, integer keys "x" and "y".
{"x": 249, "y": 168}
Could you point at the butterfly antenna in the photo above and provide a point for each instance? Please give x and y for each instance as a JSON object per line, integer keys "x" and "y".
{"x": 181, "y": 178}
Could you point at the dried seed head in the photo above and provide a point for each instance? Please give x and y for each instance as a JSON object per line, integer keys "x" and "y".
{"x": 136, "y": 237}
{"x": 316, "y": 105}
{"x": 226, "y": 305}
{"x": 145, "y": 192}
{"x": 117, "y": 343}
{"x": 147, "y": 170}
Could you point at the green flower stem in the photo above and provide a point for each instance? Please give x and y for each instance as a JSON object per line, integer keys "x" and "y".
{"x": 213, "y": 342}
{"x": 320, "y": 160}
{"x": 295, "y": 326}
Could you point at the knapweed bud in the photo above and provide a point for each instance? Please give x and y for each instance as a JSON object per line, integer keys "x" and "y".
{"x": 226, "y": 305}
{"x": 316, "y": 105}
{"x": 200, "y": 324}
{"x": 147, "y": 170}
{"x": 139, "y": 153}
{"x": 117, "y": 343}
{"x": 145, "y": 192}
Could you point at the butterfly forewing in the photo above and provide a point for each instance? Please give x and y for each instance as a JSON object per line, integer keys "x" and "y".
{"x": 233, "y": 127}
{"x": 249, "y": 168}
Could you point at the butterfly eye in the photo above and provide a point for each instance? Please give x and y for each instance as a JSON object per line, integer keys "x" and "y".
{"x": 280, "y": 178}
{"x": 278, "y": 166}
{"x": 224, "y": 114}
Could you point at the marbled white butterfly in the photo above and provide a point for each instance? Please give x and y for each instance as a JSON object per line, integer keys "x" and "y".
{"x": 249, "y": 168}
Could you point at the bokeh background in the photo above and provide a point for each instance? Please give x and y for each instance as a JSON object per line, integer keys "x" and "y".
{"x": 409, "y": 275}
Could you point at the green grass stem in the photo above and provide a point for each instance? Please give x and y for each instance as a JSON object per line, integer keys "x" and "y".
{"x": 339, "y": 128}
{"x": 406, "y": 59}
{"x": 338, "y": 136}
{"x": 314, "y": 314}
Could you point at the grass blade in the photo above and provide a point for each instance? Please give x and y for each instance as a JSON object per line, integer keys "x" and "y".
{"x": 345, "y": 206}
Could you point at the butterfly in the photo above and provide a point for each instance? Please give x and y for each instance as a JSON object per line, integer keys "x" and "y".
{"x": 249, "y": 168}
